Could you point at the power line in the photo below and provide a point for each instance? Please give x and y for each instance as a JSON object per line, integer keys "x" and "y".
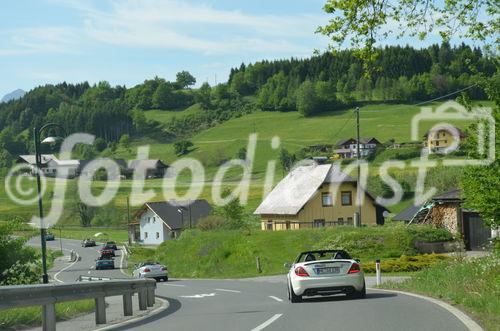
{"x": 445, "y": 96}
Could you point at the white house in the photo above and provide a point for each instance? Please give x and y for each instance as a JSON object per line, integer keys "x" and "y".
{"x": 50, "y": 164}
{"x": 348, "y": 147}
{"x": 165, "y": 220}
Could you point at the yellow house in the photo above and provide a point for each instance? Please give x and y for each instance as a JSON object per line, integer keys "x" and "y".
{"x": 441, "y": 138}
{"x": 316, "y": 196}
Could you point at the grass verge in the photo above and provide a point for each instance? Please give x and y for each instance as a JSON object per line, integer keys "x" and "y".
{"x": 232, "y": 254}
{"x": 16, "y": 318}
{"x": 473, "y": 285}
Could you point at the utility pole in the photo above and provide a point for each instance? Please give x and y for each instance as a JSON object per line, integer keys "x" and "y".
{"x": 357, "y": 215}
{"x": 128, "y": 222}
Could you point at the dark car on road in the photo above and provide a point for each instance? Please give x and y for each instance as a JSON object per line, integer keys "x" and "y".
{"x": 104, "y": 262}
{"x": 50, "y": 236}
{"x": 111, "y": 245}
{"x": 88, "y": 243}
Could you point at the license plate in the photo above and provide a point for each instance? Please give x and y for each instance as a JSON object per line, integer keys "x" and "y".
{"x": 331, "y": 270}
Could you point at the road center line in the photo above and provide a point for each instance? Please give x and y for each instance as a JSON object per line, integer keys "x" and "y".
{"x": 66, "y": 267}
{"x": 225, "y": 290}
{"x": 267, "y": 323}
{"x": 176, "y": 285}
{"x": 276, "y": 298}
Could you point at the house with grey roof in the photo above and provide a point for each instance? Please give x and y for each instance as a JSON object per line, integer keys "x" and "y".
{"x": 50, "y": 165}
{"x": 154, "y": 168}
{"x": 347, "y": 148}
{"x": 445, "y": 210}
{"x": 313, "y": 196}
{"x": 156, "y": 222}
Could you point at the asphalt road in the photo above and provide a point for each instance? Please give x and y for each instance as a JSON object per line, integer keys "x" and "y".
{"x": 261, "y": 303}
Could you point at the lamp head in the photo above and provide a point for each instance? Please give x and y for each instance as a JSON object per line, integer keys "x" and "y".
{"x": 51, "y": 140}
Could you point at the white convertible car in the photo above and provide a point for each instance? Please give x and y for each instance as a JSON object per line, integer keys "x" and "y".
{"x": 325, "y": 272}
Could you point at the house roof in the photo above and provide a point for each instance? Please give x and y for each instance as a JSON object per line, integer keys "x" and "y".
{"x": 294, "y": 191}
{"x": 362, "y": 140}
{"x": 451, "y": 195}
{"x": 407, "y": 214}
{"x": 168, "y": 211}
{"x": 299, "y": 186}
{"x": 447, "y": 128}
{"x": 146, "y": 164}
{"x": 31, "y": 158}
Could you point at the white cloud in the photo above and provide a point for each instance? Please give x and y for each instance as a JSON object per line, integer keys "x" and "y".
{"x": 172, "y": 25}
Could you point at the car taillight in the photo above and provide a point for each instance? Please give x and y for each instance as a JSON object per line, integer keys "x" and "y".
{"x": 147, "y": 270}
{"x": 354, "y": 269}
{"x": 299, "y": 271}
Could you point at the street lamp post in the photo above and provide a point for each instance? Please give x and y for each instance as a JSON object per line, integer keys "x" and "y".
{"x": 38, "y": 160}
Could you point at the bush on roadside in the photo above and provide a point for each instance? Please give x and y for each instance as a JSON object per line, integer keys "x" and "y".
{"x": 406, "y": 263}
{"x": 211, "y": 222}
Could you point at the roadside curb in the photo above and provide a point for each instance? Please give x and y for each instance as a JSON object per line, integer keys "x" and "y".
{"x": 464, "y": 318}
{"x": 164, "y": 306}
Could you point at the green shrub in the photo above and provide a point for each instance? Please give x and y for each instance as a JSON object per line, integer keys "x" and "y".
{"x": 406, "y": 263}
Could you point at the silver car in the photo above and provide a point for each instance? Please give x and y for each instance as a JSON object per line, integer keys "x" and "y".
{"x": 325, "y": 272}
{"x": 151, "y": 270}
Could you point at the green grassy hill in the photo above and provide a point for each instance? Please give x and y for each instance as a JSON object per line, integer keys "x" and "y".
{"x": 221, "y": 142}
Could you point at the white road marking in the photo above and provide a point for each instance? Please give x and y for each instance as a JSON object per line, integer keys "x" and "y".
{"x": 225, "y": 290}
{"x": 276, "y": 298}
{"x": 175, "y": 285}
{"x": 66, "y": 267}
{"x": 121, "y": 262}
{"x": 267, "y": 323}
{"x": 198, "y": 296}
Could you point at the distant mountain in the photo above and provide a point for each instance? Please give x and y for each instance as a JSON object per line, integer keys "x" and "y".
{"x": 17, "y": 94}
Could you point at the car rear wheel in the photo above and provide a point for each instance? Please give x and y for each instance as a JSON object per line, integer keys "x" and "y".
{"x": 358, "y": 294}
{"x": 294, "y": 298}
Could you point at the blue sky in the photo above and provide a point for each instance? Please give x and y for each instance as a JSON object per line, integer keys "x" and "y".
{"x": 127, "y": 41}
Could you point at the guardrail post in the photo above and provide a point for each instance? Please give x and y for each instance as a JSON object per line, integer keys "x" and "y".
{"x": 49, "y": 317}
{"x": 100, "y": 310}
{"x": 151, "y": 296}
{"x": 143, "y": 299}
{"x": 127, "y": 304}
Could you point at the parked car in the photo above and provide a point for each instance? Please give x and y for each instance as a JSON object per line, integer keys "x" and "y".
{"x": 151, "y": 270}
{"x": 88, "y": 243}
{"x": 104, "y": 262}
{"x": 111, "y": 245}
{"x": 325, "y": 272}
{"x": 107, "y": 251}
{"x": 50, "y": 236}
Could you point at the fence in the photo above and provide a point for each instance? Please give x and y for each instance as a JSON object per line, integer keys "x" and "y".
{"x": 47, "y": 295}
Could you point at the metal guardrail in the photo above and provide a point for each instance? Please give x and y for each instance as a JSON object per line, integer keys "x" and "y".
{"x": 47, "y": 295}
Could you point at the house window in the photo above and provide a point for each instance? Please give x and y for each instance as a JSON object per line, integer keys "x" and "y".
{"x": 340, "y": 221}
{"x": 346, "y": 198}
{"x": 269, "y": 226}
{"x": 157, "y": 235}
{"x": 319, "y": 224}
{"x": 349, "y": 220}
{"x": 154, "y": 219}
{"x": 437, "y": 143}
{"x": 326, "y": 199}
{"x": 149, "y": 219}
{"x": 145, "y": 235}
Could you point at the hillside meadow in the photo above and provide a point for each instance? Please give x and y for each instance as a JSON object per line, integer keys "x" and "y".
{"x": 215, "y": 145}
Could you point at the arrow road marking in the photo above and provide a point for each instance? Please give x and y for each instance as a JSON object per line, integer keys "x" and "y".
{"x": 267, "y": 323}
{"x": 276, "y": 298}
{"x": 198, "y": 296}
{"x": 224, "y": 290}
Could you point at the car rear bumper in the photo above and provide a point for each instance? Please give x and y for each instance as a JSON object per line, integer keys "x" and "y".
{"x": 310, "y": 286}
{"x": 154, "y": 275}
